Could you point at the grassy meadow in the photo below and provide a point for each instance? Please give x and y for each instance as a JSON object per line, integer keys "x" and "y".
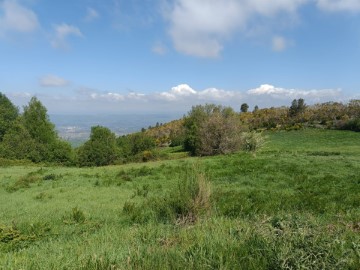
{"x": 293, "y": 205}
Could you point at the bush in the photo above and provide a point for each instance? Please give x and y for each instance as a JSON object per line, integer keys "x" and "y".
{"x": 353, "y": 124}
{"x": 212, "y": 130}
{"x": 253, "y": 141}
{"x": 100, "y": 150}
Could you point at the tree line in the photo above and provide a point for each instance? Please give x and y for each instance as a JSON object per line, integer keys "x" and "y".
{"x": 206, "y": 130}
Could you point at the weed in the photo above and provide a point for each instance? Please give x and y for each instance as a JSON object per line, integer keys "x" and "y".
{"x": 24, "y": 182}
{"x": 76, "y": 216}
{"x": 42, "y": 196}
{"x": 183, "y": 205}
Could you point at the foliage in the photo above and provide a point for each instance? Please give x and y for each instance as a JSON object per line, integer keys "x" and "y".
{"x": 32, "y": 136}
{"x": 8, "y": 114}
{"x": 353, "y": 124}
{"x": 18, "y": 143}
{"x": 137, "y": 145}
{"x": 100, "y": 149}
{"x": 211, "y": 129}
{"x": 253, "y": 141}
{"x": 37, "y": 122}
{"x": 244, "y": 107}
{"x": 297, "y": 107}
{"x": 219, "y": 134}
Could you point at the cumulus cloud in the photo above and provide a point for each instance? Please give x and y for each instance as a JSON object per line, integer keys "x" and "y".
{"x": 339, "y": 5}
{"x": 91, "y": 14}
{"x": 200, "y": 28}
{"x": 52, "y": 81}
{"x": 184, "y": 92}
{"x": 16, "y": 18}
{"x": 62, "y": 32}
{"x": 283, "y": 93}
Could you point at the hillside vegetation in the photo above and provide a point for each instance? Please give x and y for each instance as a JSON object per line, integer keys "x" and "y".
{"x": 206, "y": 130}
{"x": 293, "y": 205}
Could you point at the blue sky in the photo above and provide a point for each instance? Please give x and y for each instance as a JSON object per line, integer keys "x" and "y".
{"x": 125, "y": 56}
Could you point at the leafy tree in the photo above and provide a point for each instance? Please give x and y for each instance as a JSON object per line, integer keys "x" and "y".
{"x": 141, "y": 142}
{"x": 8, "y": 114}
{"x": 256, "y": 108}
{"x": 244, "y": 107}
{"x": 133, "y": 144}
{"x": 297, "y": 107}
{"x": 18, "y": 143}
{"x": 100, "y": 149}
{"x": 37, "y": 122}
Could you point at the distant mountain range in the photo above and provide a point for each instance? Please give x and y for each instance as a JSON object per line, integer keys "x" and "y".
{"x": 76, "y": 128}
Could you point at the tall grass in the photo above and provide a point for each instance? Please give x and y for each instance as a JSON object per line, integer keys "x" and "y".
{"x": 295, "y": 205}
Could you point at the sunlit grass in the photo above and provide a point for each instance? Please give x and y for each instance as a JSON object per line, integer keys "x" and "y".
{"x": 295, "y": 205}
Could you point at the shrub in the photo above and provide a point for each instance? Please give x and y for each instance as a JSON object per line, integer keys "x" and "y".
{"x": 353, "y": 124}
{"x": 253, "y": 141}
{"x": 212, "y": 130}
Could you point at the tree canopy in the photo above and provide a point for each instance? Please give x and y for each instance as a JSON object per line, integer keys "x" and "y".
{"x": 8, "y": 114}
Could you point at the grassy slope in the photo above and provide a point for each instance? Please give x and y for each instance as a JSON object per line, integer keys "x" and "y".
{"x": 296, "y": 204}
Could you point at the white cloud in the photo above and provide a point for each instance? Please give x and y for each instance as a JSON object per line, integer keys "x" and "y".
{"x": 178, "y": 99}
{"x": 283, "y": 93}
{"x": 200, "y": 28}
{"x": 53, "y": 81}
{"x": 91, "y": 14}
{"x": 107, "y": 96}
{"x": 16, "y": 18}
{"x": 184, "y": 92}
{"x": 339, "y": 5}
{"x": 62, "y": 32}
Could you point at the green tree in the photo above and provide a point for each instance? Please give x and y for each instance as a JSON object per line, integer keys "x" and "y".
{"x": 18, "y": 144}
{"x": 100, "y": 149}
{"x": 297, "y": 107}
{"x": 8, "y": 114}
{"x": 134, "y": 144}
{"x": 36, "y": 121}
{"x": 244, "y": 107}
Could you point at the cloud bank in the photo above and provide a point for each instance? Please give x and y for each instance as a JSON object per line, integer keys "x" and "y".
{"x": 179, "y": 98}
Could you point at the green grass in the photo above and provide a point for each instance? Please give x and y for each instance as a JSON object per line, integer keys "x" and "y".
{"x": 295, "y": 205}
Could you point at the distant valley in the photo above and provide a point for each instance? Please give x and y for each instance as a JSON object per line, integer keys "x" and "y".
{"x": 76, "y": 128}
